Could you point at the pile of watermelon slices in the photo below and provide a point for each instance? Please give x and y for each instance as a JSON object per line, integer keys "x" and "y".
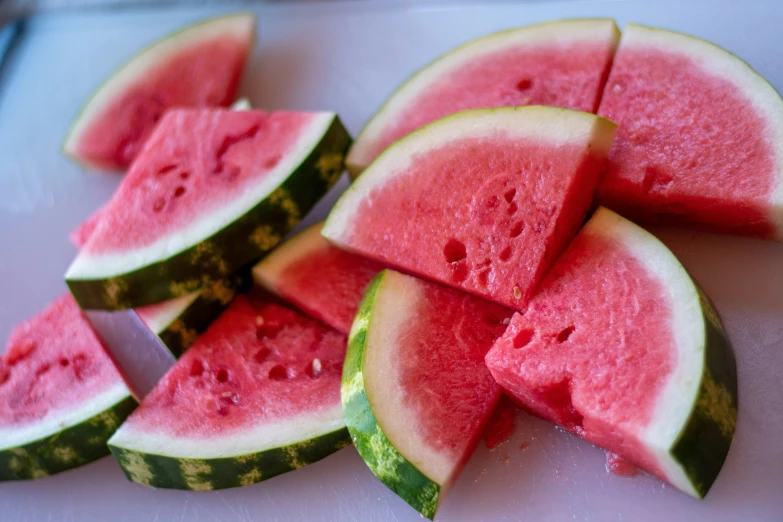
{"x": 486, "y": 247}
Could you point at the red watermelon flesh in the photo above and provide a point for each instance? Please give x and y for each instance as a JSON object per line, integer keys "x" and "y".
{"x": 320, "y": 279}
{"x": 202, "y": 68}
{"x": 488, "y": 213}
{"x": 53, "y": 362}
{"x": 176, "y": 181}
{"x": 257, "y": 363}
{"x": 699, "y": 137}
{"x": 82, "y": 233}
{"x": 561, "y": 64}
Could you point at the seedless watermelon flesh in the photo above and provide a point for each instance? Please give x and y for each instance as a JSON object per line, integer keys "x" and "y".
{"x": 257, "y": 395}
{"x": 562, "y": 64}
{"x": 619, "y": 346}
{"x": 415, "y": 390}
{"x": 213, "y": 190}
{"x": 482, "y": 200}
{"x": 323, "y": 281}
{"x": 199, "y": 66}
{"x": 699, "y": 140}
{"x": 61, "y": 397}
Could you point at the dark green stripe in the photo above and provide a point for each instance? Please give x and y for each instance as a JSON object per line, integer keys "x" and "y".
{"x": 168, "y": 472}
{"x": 182, "y": 332}
{"x": 705, "y": 441}
{"x": 67, "y": 449}
{"x": 243, "y": 241}
{"x": 383, "y": 459}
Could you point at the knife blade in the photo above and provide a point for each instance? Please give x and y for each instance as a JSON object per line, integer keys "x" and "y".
{"x": 139, "y": 354}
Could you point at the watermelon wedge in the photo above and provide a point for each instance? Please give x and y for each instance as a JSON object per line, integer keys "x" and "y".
{"x": 61, "y": 397}
{"x": 257, "y": 395}
{"x": 700, "y": 137}
{"x": 212, "y": 191}
{"x": 321, "y": 280}
{"x": 199, "y": 66}
{"x": 620, "y": 346}
{"x": 482, "y": 200}
{"x": 561, "y": 64}
{"x": 415, "y": 390}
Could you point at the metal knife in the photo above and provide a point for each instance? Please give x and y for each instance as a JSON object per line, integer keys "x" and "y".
{"x": 139, "y": 354}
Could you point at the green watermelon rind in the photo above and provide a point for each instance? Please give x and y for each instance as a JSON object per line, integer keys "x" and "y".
{"x": 194, "y": 319}
{"x": 171, "y": 472}
{"x": 69, "y": 448}
{"x": 246, "y": 239}
{"x": 356, "y": 167}
{"x": 704, "y": 441}
{"x": 380, "y": 455}
{"x": 125, "y": 75}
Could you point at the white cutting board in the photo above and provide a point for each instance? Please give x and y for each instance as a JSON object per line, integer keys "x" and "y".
{"x": 347, "y": 57}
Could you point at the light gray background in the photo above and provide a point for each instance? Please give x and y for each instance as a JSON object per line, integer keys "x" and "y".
{"x": 347, "y": 57}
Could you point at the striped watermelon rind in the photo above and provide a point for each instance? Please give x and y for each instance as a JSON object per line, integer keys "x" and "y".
{"x": 383, "y": 459}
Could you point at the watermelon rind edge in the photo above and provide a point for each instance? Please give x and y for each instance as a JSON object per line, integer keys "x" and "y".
{"x": 242, "y": 241}
{"x": 355, "y": 168}
{"x": 69, "y": 448}
{"x": 380, "y": 455}
{"x": 207, "y": 474}
{"x": 107, "y": 87}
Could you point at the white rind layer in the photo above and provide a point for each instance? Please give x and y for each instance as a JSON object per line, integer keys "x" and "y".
{"x": 58, "y": 420}
{"x": 567, "y": 32}
{"x": 99, "y": 266}
{"x": 267, "y": 272}
{"x": 679, "y": 395}
{"x": 722, "y": 64}
{"x": 248, "y": 440}
{"x": 396, "y": 307}
{"x": 239, "y": 26}
{"x": 549, "y": 125}
{"x": 158, "y": 317}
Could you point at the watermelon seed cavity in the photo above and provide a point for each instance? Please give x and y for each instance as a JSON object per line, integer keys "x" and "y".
{"x": 523, "y": 338}
{"x": 524, "y": 84}
{"x": 510, "y": 195}
{"x": 505, "y": 255}
{"x": 261, "y": 355}
{"x": 179, "y": 191}
{"x": 278, "y": 373}
{"x": 454, "y": 251}
{"x": 517, "y": 229}
{"x": 565, "y": 334}
{"x": 222, "y": 375}
{"x": 197, "y": 368}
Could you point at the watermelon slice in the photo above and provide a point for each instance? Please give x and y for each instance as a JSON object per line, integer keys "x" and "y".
{"x": 415, "y": 391}
{"x": 212, "y": 190}
{"x": 620, "y": 347}
{"x": 61, "y": 397}
{"x": 256, "y": 396}
{"x": 562, "y": 64}
{"x": 199, "y": 66}
{"x": 483, "y": 200}
{"x": 321, "y": 280}
{"x": 700, "y": 138}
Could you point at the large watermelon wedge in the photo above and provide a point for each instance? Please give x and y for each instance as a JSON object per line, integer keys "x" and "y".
{"x": 199, "y": 66}
{"x": 700, "y": 137}
{"x": 61, "y": 397}
{"x": 415, "y": 390}
{"x": 562, "y": 64}
{"x": 212, "y": 190}
{"x": 482, "y": 200}
{"x": 321, "y": 280}
{"x": 621, "y": 347}
{"x": 257, "y": 395}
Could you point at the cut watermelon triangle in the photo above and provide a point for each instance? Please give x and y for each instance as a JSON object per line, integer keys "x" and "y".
{"x": 415, "y": 390}
{"x": 482, "y": 200}
{"x": 561, "y": 64}
{"x": 257, "y": 395}
{"x": 318, "y": 278}
{"x": 199, "y": 66}
{"x": 622, "y": 348}
{"x": 61, "y": 397}
{"x": 699, "y": 140}
{"x": 212, "y": 191}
